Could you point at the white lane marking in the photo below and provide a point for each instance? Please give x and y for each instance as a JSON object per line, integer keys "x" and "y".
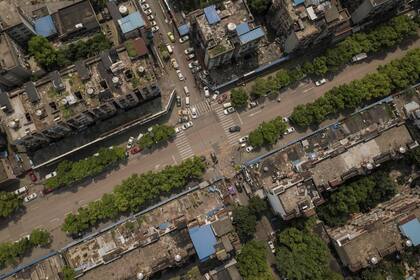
{"x": 257, "y": 112}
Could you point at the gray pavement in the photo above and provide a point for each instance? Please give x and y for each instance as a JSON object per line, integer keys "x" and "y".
{"x": 208, "y": 134}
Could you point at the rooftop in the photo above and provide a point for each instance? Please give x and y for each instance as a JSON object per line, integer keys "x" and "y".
{"x": 45, "y": 27}
{"x": 204, "y": 241}
{"x": 48, "y": 269}
{"x": 131, "y": 22}
{"x": 8, "y": 55}
{"x": 9, "y": 14}
{"x": 411, "y": 230}
{"x": 369, "y": 237}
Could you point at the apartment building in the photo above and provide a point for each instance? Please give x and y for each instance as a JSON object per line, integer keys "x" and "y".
{"x": 226, "y": 33}
{"x": 301, "y": 24}
{"x": 369, "y": 9}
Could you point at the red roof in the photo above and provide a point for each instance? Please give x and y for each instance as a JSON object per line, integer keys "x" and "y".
{"x": 140, "y": 46}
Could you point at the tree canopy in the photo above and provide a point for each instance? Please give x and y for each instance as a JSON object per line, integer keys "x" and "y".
{"x": 135, "y": 193}
{"x": 9, "y": 204}
{"x": 158, "y": 134}
{"x": 252, "y": 261}
{"x": 245, "y": 222}
{"x": 259, "y": 7}
{"x": 358, "y": 196}
{"x": 239, "y": 98}
{"x": 267, "y": 133}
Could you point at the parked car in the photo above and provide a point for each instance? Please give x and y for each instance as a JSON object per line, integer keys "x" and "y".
{"x": 189, "y": 50}
{"x": 194, "y": 114}
{"x": 253, "y": 104}
{"x": 206, "y": 91}
{"x": 171, "y": 37}
{"x": 271, "y": 246}
{"x": 130, "y": 142}
{"x": 320, "y": 82}
{"x": 289, "y": 130}
{"x": 135, "y": 150}
{"x": 145, "y": 6}
{"x": 21, "y": 190}
{"x": 50, "y": 175}
{"x": 178, "y": 129}
{"x": 147, "y": 12}
{"x": 221, "y": 98}
{"x": 32, "y": 176}
{"x": 180, "y": 76}
{"x": 243, "y": 139}
{"x": 285, "y": 119}
{"x": 150, "y": 17}
{"x": 187, "y": 125}
{"x": 235, "y": 128}
{"x": 193, "y": 64}
{"x": 155, "y": 28}
{"x": 142, "y": 2}
{"x": 214, "y": 97}
{"x": 153, "y": 23}
{"x": 249, "y": 149}
{"x": 178, "y": 101}
{"x": 190, "y": 56}
{"x": 30, "y": 197}
{"x": 214, "y": 157}
{"x": 184, "y": 39}
{"x": 174, "y": 63}
{"x": 359, "y": 57}
{"x": 228, "y": 111}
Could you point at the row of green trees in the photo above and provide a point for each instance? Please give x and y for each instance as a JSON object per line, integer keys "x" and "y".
{"x": 394, "y": 76}
{"x": 245, "y": 218}
{"x": 301, "y": 254}
{"x": 9, "y": 204}
{"x": 52, "y": 58}
{"x": 159, "y": 134}
{"x": 358, "y": 196}
{"x": 379, "y": 38}
{"x": 135, "y": 193}
{"x": 70, "y": 172}
{"x": 252, "y": 261}
{"x": 239, "y": 98}
{"x": 11, "y": 252}
{"x": 267, "y": 133}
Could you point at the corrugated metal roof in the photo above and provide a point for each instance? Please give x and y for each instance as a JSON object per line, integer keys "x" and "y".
{"x": 411, "y": 230}
{"x": 211, "y": 14}
{"x": 31, "y": 92}
{"x": 251, "y": 35}
{"x": 184, "y": 30}
{"x": 131, "y": 22}
{"x": 298, "y": 2}
{"x": 242, "y": 28}
{"x": 45, "y": 27}
{"x": 204, "y": 241}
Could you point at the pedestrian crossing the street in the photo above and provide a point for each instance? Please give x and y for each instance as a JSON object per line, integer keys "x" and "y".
{"x": 202, "y": 107}
{"x": 227, "y": 121}
{"x": 184, "y": 148}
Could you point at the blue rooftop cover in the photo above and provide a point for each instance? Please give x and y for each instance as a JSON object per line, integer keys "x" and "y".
{"x": 131, "y": 22}
{"x": 45, "y": 27}
{"x": 211, "y": 14}
{"x": 184, "y": 30}
{"x": 411, "y": 229}
{"x": 204, "y": 241}
{"x": 298, "y": 2}
{"x": 242, "y": 28}
{"x": 251, "y": 35}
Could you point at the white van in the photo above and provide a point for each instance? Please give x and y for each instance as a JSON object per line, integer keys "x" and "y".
{"x": 21, "y": 190}
{"x": 187, "y": 101}
{"x": 227, "y": 105}
{"x": 187, "y": 92}
{"x": 169, "y": 49}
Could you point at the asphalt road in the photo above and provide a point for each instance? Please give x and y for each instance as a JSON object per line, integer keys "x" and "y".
{"x": 207, "y": 134}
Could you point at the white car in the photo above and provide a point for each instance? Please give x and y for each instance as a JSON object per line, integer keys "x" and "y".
{"x": 50, "y": 175}
{"x": 320, "y": 82}
{"x": 194, "y": 114}
{"x": 243, "y": 139}
{"x": 147, "y": 12}
{"x": 153, "y": 23}
{"x": 249, "y": 149}
{"x": 189, "y": 50}
{"x": 214, "y": 97}
{"x": 206, "y": 92}
{"x": 289, "y": 130}
{"x": 130, "y": 142}
{"x": 184, "y": 39}
{"x": 187, "y": 125}
{"x": 21, "y": 190}
{"x": 180, "y": 76}
{"x": 145, "y": 7}
{"x": 228, "y": 111}
{"x": 150, "y": 17}
{"x": 190, "y": 56}
{"x": 155, "y": 28}
{"x": 271, "y": 246}
{"x": 178, "y": 129}
{"x": 140, "y": 136}
{"x": 174, "y": 63}
{"x": 142, "y": 2}
{"x": 285, "y": 119}
{"x": 30, "y": 197}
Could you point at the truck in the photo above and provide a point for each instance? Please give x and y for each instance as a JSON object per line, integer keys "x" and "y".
{"x": 359, "y": 57}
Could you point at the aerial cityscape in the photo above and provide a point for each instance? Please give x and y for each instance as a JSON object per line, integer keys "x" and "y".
{"x": 210, "y": 139}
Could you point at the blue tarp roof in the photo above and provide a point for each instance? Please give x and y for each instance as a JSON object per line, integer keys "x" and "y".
{"x": 211, "y": 14}
{"x": 242, "y": 28}
{"x": 131, "y": 22}
{"x": 204, "y": 241}
{"x": 183, "y": 30}
{"x": 251, "y": 35}
{"x": 298, "y": 2}
{"x": 44, "y": 26}
{"x": 411, "y": 229}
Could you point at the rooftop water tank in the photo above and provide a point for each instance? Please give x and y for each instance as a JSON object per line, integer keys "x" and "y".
{"x": 140, "y": 276}
{"x": 90, "y": 91}
{"x": 123, "y": 10}
{"x": 231, "y": 27}
{"x": 178, "y": 258}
